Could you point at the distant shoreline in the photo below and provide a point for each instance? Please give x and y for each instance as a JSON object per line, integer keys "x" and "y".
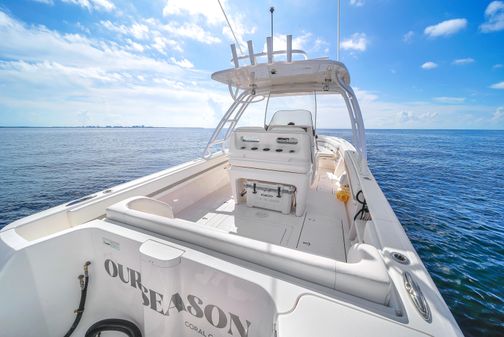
{"x": 202, "y": 128}
{"x": 100, "y": 127}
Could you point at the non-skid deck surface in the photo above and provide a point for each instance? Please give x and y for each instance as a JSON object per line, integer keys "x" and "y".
{"x": 319, "y": 231}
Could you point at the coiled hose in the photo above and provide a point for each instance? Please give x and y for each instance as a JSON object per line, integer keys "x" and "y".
{"x": 363, "y": 213}
{"x": 111, "y": 324}
{"x": 114, "y": 324}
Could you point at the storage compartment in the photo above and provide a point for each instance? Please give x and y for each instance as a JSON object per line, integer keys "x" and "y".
{"x": 276, "y": 197}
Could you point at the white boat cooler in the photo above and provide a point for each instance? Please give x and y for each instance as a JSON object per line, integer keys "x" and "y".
{"x": 276, "y": 197}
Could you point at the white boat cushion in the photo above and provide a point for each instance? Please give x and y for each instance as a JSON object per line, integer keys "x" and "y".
{"x": 365, "y": 274}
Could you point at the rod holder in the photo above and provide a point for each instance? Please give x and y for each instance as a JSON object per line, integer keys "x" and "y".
{"x": 289, "y": 48}
{"x": 269, "y": 48}
{"x": 251, "y": 52}
{"x": 235, "y": 55}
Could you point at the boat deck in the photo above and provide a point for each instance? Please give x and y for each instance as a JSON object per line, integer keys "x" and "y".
{"x": 319, "y": 231}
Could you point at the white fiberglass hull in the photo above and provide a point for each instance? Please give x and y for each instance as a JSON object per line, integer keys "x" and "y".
{"x": 180, "y": 274}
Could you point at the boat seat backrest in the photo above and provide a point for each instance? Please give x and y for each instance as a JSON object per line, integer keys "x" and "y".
{"x": 295, "y": 117}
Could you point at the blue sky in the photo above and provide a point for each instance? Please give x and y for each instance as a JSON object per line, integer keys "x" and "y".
{"x": 414, "y": 64}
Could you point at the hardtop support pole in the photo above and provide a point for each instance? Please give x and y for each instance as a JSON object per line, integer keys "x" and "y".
{"x": 224, "y": 119}
{"x": 358, "y": 130}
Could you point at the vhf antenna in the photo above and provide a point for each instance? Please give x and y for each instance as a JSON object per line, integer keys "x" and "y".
{"x": 338, "y": 33}
{"x": 272, "y": 9}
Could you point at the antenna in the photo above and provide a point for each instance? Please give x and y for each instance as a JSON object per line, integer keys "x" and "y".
{"x": 272, "y": 9}
{"x": 339, "y": 24}
{"x": 231, "y": 28}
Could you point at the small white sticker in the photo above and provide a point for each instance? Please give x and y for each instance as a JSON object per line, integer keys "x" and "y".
{"x": 112, "y": 244}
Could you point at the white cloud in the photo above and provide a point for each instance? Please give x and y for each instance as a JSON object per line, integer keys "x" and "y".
{"x": 163, "y": 45}
{"x": 467, "y": 60}
{"x": 191, "y": 31}
{"x": 82, "y": 27}
{"x": 494, "y": 8}
{"x": 407, "y": 117}
{"x": 320, "y": 45}
{"x": 150, "y": 37}
{"x": 357, "y": 3}
{"x": 494, "y": 15}
{"x": 54, "y": 70}
{"x": 60, "y": 76}
{"x": 408, "y": 37}
{"x": 209, "y": 10}
{"x": 358, "y": 41}
{"x": 449, "y": 100}
{"x": 184, "y": 63}
{"x": 497, "y": 66}
{"x": 45, "y": 2}
{"x": 103, "y": 4}
{"x": 237, "y": 21}
{"x": 498, "y": 115}
{"x": 205, "y": 16}
{"x": 429, "y": 65}
{"x": 90, "y": 5}
{"x": 499, "y": 85}
{"x": 121, "y": 29}
{"x": 386, "y": 114}
{"x": 365, "y": 96}
{"x": 139, "y": 31}
{"x": 135, "y": 46}
{"x": 446, "y": 28}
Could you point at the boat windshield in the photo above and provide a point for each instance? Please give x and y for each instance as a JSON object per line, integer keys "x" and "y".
{"x": 298, "y": 117}
{"x": 291, "y": 110}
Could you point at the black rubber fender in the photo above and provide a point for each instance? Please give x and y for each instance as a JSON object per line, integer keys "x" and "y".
{"x": 114, "y": 324}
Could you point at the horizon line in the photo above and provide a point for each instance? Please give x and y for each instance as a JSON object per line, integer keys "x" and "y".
{"x": 208, "y": 128}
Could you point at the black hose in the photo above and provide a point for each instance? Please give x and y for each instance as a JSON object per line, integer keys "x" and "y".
{"x": 364, "y": 209}
{"x": 84, "y": 280}
{"x": 114, "y": 324}
{"x": 111, "y": 324}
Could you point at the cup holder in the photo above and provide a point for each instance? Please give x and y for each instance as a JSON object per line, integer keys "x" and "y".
{"x": 400, "y": 258}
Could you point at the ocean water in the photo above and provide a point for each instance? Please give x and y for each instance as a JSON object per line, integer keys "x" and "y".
{"x": 446, "y": 187}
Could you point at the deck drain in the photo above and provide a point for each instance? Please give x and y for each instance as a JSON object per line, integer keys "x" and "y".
{"x": 398, "y": 257}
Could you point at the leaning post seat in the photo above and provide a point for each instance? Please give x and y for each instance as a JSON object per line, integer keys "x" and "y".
{"x": 278, "y": 156}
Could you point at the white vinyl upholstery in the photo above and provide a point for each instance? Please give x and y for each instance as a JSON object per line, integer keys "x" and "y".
{"x": 364, "y": 276}
{"x": 295, "y": 117}
{"x": 280, "y": 155}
